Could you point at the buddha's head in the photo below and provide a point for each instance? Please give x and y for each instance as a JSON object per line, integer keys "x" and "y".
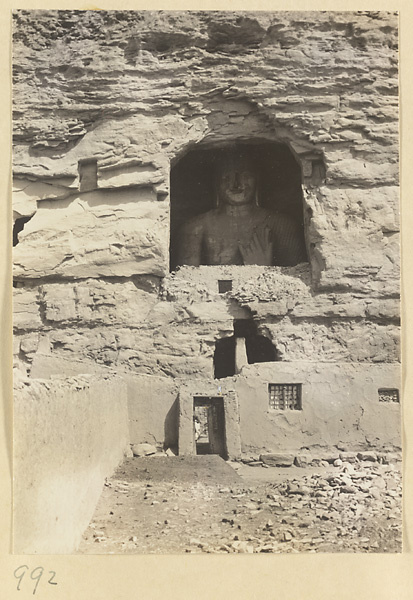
{"x": 237, "y": 181}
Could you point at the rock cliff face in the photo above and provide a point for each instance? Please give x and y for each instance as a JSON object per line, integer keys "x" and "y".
{"x": 130, "y": 94}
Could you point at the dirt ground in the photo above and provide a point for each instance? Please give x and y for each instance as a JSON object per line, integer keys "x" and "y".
{"x": 172, "y": 505}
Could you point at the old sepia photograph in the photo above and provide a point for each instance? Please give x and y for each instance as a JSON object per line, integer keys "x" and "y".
{"x": 206, "y": 282}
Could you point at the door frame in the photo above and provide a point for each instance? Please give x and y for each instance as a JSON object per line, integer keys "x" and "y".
{"x": 215, "y": 406}
{"x": 192, "y": 389}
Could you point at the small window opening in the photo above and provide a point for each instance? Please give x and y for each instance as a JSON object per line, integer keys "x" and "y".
{"x": 18, "y": 227}
{"x": 88, "y": 174}
{"x": 389, "y": 395}
{"x": 284, "y": 396}
{"x": 224, "y": 285}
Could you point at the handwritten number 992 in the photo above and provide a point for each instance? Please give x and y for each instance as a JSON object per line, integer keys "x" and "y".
{"x": 35, "y": 575}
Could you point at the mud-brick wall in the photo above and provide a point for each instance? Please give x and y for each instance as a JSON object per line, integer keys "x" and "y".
{"x": 69, "y": 434}
{"x": 135, "y": 91}
{"x": 340, "y": 406}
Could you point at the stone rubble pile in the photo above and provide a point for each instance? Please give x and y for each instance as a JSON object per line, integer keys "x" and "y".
{"x": 303, "y": 459}
{"x": 351, "y": 507}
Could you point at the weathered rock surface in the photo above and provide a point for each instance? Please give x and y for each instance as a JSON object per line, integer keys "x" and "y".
{"x": 154, "y": 84}
{"x": 93, "y": 235}
{"x": 325, "y": 328}
{"x": 134, "y": 92}
{"x": 136, "y": 44}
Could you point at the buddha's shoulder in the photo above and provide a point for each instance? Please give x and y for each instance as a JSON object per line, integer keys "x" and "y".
{"x": 202, "y": 220}
{"x": 276, "y": 219}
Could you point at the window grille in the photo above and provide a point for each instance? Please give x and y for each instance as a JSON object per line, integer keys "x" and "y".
{"x": 284, "y": 396}
{"x": 389, "y": 395}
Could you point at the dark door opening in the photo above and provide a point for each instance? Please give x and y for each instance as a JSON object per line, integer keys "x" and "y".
{"x": 228, "y": 356}
{"x": 224, "y": 358}
{"x": 209, "y": 426}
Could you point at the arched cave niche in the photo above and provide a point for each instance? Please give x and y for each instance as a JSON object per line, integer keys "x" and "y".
{"x": 194, "y": 189}
{"x": 229, "y": 356}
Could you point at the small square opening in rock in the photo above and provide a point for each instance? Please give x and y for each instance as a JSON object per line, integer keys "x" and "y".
{"x": 224, "y": 285}
{"x": 88, "y": 174}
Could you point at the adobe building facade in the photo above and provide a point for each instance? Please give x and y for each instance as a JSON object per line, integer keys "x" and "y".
{"x": 120, "y": 121}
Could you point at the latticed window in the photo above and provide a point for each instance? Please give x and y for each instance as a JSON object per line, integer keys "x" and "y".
{"x": 284, "y": 396}
{"x": 389, "y": 395}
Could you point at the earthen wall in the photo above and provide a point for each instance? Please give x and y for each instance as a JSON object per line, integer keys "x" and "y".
{"x": 69, "y": 435}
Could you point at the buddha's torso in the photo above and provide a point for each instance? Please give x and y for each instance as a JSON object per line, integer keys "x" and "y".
{"x": 225, "y": 230}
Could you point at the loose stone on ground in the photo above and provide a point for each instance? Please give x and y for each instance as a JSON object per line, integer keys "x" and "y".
{"x": 160, "y": 507}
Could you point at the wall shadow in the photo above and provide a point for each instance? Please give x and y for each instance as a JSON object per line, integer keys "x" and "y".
{"x": 171, "y": 427}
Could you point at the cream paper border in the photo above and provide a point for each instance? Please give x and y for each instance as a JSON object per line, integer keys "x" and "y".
{"x": 198, "y": 577}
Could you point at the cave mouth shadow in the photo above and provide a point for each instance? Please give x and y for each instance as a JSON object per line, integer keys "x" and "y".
{"x": 258, "y": 347}
{"x": 18, "y": 228}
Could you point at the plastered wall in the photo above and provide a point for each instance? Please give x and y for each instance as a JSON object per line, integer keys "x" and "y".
{"x": 69, "y": 434}
{"x": 340, "y": 406}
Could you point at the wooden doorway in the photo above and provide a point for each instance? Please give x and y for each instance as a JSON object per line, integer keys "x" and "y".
{"x": 209, "y": 426}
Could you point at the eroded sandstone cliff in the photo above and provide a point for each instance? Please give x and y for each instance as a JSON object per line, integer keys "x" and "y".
{"x": 135, "y": 92}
